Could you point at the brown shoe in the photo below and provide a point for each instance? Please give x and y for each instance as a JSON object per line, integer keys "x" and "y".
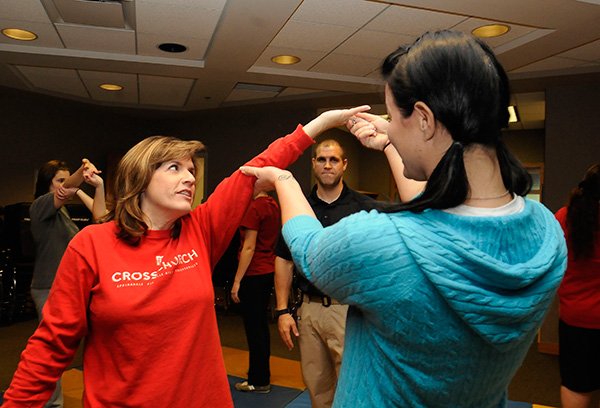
{"x": 245, "y": 387}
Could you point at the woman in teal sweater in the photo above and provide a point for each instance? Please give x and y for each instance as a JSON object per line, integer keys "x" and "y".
{"x": 448, "y": 290}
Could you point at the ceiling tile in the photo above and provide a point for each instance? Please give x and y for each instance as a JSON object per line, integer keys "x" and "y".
{"x": 24, "y": 10}
{"x": 196, "y": 19}
{"x": 47, "y": 36}
{"x": 93, "y": 80}
{"x": 589, "y": 52}
{"x": 350, "y": 13}
{"x": 347, "y": 65}
{"x": 311, "y": 36}
{"x": 307, "y": 58}
{"x": 523, "y": 39}
{"x": 412, "y": 21}
{"x": 516, "y": 31}
{"x": 369, "y": 43}
{"x": 147, "y": 44}
{"x": 375, "y": 74}
{"x": 65, "y": 81}
{"x": 165, "y": 91}
{"x": 101, "y": 39}
{"x": 549, "y": 64}
{"x": 248, "y": 94}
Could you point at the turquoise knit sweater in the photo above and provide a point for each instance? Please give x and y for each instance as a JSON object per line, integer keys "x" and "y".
{"x": 443, "y": 307}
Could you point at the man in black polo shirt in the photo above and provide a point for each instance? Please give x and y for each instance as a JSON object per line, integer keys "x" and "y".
{"x": 321, "y": 319}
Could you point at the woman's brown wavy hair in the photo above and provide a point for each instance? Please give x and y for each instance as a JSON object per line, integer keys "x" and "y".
{"x": 133, "y": 176}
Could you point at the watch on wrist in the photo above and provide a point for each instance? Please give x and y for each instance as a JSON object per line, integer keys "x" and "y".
{"x": 279, "y": 312}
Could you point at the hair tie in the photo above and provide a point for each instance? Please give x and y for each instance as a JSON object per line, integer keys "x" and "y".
{"x": 458, "y": 144}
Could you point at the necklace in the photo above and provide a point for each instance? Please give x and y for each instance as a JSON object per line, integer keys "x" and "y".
{"x": 489, "y": 198}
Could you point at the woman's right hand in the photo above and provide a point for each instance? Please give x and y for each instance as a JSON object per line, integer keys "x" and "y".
{"x": 369, "y": 129}
{"x": 234, "y": 292}
{"x": 65, "y": 193}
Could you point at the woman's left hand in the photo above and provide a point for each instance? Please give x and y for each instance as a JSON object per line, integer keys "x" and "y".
{"x": 331, "y": 119}
{"x": 92, "y": 178}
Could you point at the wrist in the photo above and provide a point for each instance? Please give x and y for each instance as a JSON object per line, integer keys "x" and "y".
{"x": 315, "y": 127}
{"x": 284, "y": 176}
{"x": 281, "y": 312}
{"x": 386, "y": 145}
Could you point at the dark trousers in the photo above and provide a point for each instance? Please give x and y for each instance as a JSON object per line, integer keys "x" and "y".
{"x": 254, "y": 295}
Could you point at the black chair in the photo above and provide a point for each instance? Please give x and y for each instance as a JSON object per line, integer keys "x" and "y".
{"x": 18, "y": 262}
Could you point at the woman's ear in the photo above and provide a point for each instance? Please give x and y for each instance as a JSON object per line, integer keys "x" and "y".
{"x": 426, "y": 119}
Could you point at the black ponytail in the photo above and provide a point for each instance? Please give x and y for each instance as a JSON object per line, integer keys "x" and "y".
{"x": 515, "y": 177}
{"x": 447, "y": 186}
{"x": 459, "y": 78}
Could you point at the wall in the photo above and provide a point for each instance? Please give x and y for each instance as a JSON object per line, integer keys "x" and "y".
{"x": 36, "y": 128}
{"x": 527, "y": 145}
{"x": 572, "y": 138}
{"x": 572, "y": 143}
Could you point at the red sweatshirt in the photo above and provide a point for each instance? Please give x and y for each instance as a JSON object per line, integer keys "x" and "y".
{"x": 263, "y": 215}
{"x": 579, "y": 291}
{"x": 146, "y": 312}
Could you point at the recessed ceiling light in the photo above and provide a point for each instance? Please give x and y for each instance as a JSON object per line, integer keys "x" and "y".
{"x": 172, "y": 47}
{"x": 111, "y": 87}
{"x": 285, "y": 59}
{"x": 491, "y": 30}
{"x": 19, "y": 34}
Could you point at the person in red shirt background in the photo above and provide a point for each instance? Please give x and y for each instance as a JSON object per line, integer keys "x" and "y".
{"x": 253, "y": 280}
{"x": 579, "y": 294}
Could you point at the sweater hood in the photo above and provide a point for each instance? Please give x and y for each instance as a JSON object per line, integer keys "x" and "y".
{"x": 500, "y": 288}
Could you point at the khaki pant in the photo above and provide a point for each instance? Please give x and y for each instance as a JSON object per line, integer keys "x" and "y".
{"x": 321, "y": 344}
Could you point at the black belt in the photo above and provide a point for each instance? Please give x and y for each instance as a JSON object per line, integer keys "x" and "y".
{"x": 325, "y": 300}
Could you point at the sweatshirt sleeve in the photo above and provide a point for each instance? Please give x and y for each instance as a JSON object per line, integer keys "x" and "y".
{"x": 53, "y": 345}
{"x": 221, "y": 214}
{"x": 344, "y": 260}
{"x": 43, "y": 208}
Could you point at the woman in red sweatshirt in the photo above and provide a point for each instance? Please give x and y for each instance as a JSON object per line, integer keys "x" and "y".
{"x": 138, "y": 288}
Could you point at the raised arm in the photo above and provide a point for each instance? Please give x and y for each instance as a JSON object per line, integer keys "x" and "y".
{"x": 371, "y": 131}
{"x": 98, "y": 207}
{"x": 71, "y": 185}
{"x": 77, "y": 177}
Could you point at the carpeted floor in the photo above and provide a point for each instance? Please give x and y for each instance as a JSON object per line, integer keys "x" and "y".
{"x": 286, "y": 380}
{"x": 287, "y": 389}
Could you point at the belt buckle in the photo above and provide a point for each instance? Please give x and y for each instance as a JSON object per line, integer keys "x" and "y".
{"x": 325, "y": 301}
